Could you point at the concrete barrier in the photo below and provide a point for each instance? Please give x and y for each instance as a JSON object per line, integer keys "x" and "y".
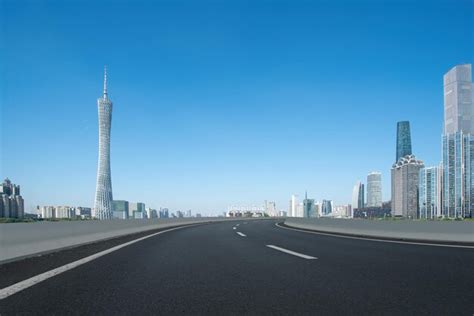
{"x": 434, "y": 231}
{"x": 20, "y": 240}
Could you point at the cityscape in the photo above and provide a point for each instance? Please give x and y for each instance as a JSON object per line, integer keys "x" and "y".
{"x": 418, "y": 192}
{"x": 208, "y": 157}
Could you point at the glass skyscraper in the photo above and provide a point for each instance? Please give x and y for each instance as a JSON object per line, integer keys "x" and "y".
{"x": 429, "y": 198}
{"x": 458, "y": 144}
{"x": 103, "y": 193}
{"x": 358, "y": 196}
{"x": 403, "y": 140}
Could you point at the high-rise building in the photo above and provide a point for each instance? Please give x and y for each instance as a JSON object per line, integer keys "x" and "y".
{"x": 458, "y": 143}
{"x": 164, "y": 213}
{"x": 309, "y": 209}
{"x": 293, "y": 206}
{"x": 326, "y": 208}
{"x": 11, "y": 202}
{"x": 358, "y": 196}
{"x": 458, "y": 175}
{"x": 403, "y": 140}
{"x": 121, "y": 209}
{"x": 374, "y": 189}
{"x": 152, "y": 213}
{"x": 458, "y": 106}
{"x": 136, "y": 210}
{"x": 405, "y": 181}
{"x": 270, "y": 208}
{"x": 103, "y": 195}
{"x": 429, "y": 199}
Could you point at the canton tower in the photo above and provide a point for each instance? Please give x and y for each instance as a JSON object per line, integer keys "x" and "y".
{"x": 103, "y": 192}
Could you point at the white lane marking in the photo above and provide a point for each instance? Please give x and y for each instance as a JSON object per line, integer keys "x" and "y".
{"x": 245, "y": 223}
{"x": 243, "y": 235}
{"x": 234, "y": 227}
{"x": 294, "y": 253}
{"x": 237, "y": 225}
{"x": 375, "y": 239}
{"x": 20, "y": 286}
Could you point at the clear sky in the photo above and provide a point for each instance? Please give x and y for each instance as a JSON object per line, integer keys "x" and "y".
{"x": 222, "y": 102}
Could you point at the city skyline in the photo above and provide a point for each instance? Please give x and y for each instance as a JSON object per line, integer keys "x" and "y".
{"x": 179, "y": 126}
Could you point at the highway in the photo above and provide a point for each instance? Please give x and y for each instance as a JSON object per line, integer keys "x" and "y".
{"x": 246, "y": 267}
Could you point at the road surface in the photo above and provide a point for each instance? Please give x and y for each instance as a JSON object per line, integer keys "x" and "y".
{"x": 249, "y": 267}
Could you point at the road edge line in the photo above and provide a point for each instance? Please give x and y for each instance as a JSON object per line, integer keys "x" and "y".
{"x": 373, "y": 238}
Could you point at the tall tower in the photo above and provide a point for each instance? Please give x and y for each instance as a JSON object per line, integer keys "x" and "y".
{"x": 458, "y": 143}
{"x": 374, "y": 189}
{"x": 358, "y": 196}
{"x": 103, "y": 192}
{"x": 403, "y": 140}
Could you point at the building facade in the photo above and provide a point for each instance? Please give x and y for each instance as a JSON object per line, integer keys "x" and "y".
{"x": 11, "y": 202}
{"x": 458, "y": 177}
{"x": 374, "y": 189}
{"x": 403, "y": 140}
{"x": 121, "y": 209}
{"x": 430, "y": 192}
{"x": 326, "y": 208}
{"x": 458, "y": 144}
{"x": 458, "y": 108}
{"x": 405, "y": 181}
{"x": 358, "y": 196}
{"x": 309, "y": 209}
{"x": 103, "y": 194}
{"x": 293, "y": 206}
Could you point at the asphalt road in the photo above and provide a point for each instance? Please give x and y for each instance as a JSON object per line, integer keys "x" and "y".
{"x": 211, "y": 269}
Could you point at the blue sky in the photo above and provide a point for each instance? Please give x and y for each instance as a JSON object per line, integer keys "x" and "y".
{"x": 222, "y": 102}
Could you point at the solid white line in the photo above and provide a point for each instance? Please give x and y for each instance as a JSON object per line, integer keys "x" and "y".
{"x": 291, "y": 252}
{"x": 20, "y": 286}
{"x": 243, "y": 235}
{"x": 376, "y": 239}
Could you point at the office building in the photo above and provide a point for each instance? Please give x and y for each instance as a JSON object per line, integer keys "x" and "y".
{"x": 293, "y": 206}
{"x": 164, "y": 213}
{"x": 358, "y": 196}
{"x": 458, "y": 177}
{"x": 458, "y": 144}
{"x": 458, "y": 107}
{"x": 429, "y": 199}
{"x": 403, "y": 140}
{"x": 374, "y": 189}
{"x": 120, "y": 209}
{"x": 136, "y": 210}
{"x": 270, "y": 208}
{"x": 151, "y": 213}
{"x": 405, "y": 181}
{"x": 84, "y": 212}
{"x": 103, "y": 195}
{"x": 309, "y": 209}
{"x": 326, "y": 208}
{"x": 11, "y": 202}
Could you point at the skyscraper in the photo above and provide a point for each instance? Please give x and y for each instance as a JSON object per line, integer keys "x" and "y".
{"x": 374, "y": 189}
{"x": 405, "y": 181}
{"x": 403, "y": 140}
{"x": 309, "y": 209}
{"x": 293, "y": 206}
{"x": 11, "y": 202}
{"x": 458, "y": 143}
{"x": 429, "y": 199}
{"x": 458, "y": 107}
{"x": 326, "y": 207}
{"x": 358, "y": 196}
{"x": 103, "y": 193}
